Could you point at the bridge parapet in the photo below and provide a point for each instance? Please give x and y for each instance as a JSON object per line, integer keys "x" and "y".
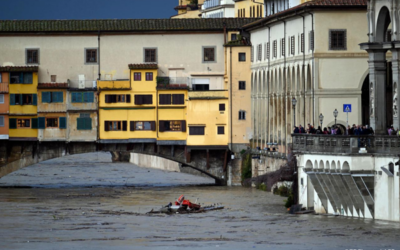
{"x": 343, "y": 144}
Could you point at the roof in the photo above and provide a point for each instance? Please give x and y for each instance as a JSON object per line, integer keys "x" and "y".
{"x": 19, "y": 68}
{"x": 52, "y": 85}
{"x": 124, "y": 25}
{"x": 143, "y": 66}
{"x": 316, "y": 4}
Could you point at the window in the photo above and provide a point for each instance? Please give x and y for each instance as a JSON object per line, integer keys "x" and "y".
{"x": 242, "y": 115}
{"x": 115, "y": 125}
{"x": 53, "y": 78}
{"x": 196, "y": 130}
{"x": 302, "y": 43}
{"x": 242, "y": 57}
{"x": 292, "y": 44}
{"x": 149, "y": 76}
{"x": 312, "y": 40}
{"x": 1, "y": 99}
{"x": 221, "y": 130}
{"x": 1, "y": 121}
{"x": 268, "y": 51}
{"x": 283, "y": 46}
{"x": 242, "y": 85}
{"x": 91, "y": 55}
{"x": 165, "y": 99}
{"x": 84, "y": 122}
{"x": 252, "y": 53}
{"x": 51, "y": 122}
{"x": 21, "y": 77}
{"x": 137, "y": 76}
{"x": 275, "y": 49}
{"x": 117, "y": 98}
{"x": 178, "y": 99}
{"x": 151, "y": 126}
{"x": 337, "y": 40}
{"x": 150, "y": 55}
{"x": 52, "y": 97}
{"x": 82, "y": 97}
{"x": 23, "y": 99}
{"x": 222, "y": 107}
{"x": 32, "y": 56}
{"x": 23, "y": 123}
{"x": 170, "y": 126}
{"x": 259, "y": 52}
{"x": 233, "y": 37}
{"x": 208, "y": 54}
{"x": 143, "y": 99}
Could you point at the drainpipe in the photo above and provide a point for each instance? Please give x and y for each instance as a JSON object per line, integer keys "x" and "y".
{"x": 230, "y": 76}
{"x": 313, "y": 65}
{"x": 98, "y": 45}
{"x": 269, "y": 84}
{"x": 98, "y": 92}
{"x": 304, "y": 61}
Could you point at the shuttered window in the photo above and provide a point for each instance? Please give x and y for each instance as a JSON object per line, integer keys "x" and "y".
{"x": 84, "y": 122}
{"x": 12, "y": 123}
{"x": 196, "y": 130}
{"x": 242, "y": 115}
{"x": 143, "y": 99}
{"x": 165, "y": 99}
{"x": 178, "y": 99}
{"x": 221, "y": 130}
{"x": 21, "y": 78}
{"x": 115, "y": 125}
{"x": 143, "y": 125}
{"x": 41, "y": 122}
{"x": 1, "y": 120}
{"x": 242, "y": 85}
{"x": 23, "y": 99}
{"x": 222, "y": 107}
{"x": 63, "y": 122}
{"x": 82, "y": 97}
{"x": 35, "y": 123}
{"x": 165, "y": 126}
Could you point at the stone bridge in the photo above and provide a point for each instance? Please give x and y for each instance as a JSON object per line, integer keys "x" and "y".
{"x": 15, "y": 155}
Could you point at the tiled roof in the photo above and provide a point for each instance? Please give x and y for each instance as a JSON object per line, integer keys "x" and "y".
{"x": 53, "y": 85}
{"x": 124, "y": 25}
{"x": 326, "y": 4}
{"x": 19, "y": 68}
{"x": 143, "y": 66}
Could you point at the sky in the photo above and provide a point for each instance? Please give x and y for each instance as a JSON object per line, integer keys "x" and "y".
{"x": 86, "y": 9}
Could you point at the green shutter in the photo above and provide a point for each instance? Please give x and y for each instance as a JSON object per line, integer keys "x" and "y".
{"x": 34, "y": 99}
{"x": 12, "y": 99}
{"x": 63, "y": 122}
{"x": 46, "y": 97}
{"x": 35, "y": 123}
{"x": 21, "y": 100}
{"x": 73, "y": 97}
{"x": 12, "y": 123}
{"x": 57, "y": 97}
{"x": 79, "y": 122}
{"x": 41, "y": 123}
{"x": 84, "y": 123}
{"x": 61, "y": 97}
{"x": 88, "y": 123}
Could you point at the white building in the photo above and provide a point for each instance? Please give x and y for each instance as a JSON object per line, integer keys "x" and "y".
{"x": 218, "y": 9}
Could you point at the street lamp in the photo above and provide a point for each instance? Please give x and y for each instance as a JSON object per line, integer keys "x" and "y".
{"x": 321, "y": 119}
{"x": 294, "y": 101}
{"x": 335, "y": 113}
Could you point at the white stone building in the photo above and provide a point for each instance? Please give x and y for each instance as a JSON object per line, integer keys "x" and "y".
{"x": 218, "y": 9}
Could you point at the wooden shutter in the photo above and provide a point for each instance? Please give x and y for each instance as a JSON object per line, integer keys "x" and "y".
{"x": 128, "y": 98}
{"x": 107, "y": 98}
{"x": 62, "y": 122}
{"x": 34, "y": 99}
{"x": 46, "y": 97}
{"x": 35, "y": 123}
{"x": 138, "y": 99}
{"x": 153, "y": 125}
{"x": 132, "y": 126}
{"x": 106, "y": 126}
{"x": 124, "y": 126}
{"x": 12, "y": 99}
{"x": 165, "y": 99}
{"x": 148, "y": 99}
{"x": 161, "y": 126}
{"x": 178, "y": 99}
{"x": 80, "y": 123}
{"x": 42, "y": 122}
{"x": 183, "y": 126}
{"x": 12, "y": 123}
{"x": 222, "y": 107}
{"x": 88, "y": 123}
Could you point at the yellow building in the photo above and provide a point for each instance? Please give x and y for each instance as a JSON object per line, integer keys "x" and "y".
{"x": 127, "y": 109}
{"x": 188, "y": 9}
{"x": 23, "y": 122}
{"x": 248, "y": 8}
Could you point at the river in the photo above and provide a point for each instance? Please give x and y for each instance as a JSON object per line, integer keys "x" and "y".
{"x": 87, "y": 202}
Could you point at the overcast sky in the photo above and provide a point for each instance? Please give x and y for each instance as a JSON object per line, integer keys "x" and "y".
{"x": 86, "y": 9}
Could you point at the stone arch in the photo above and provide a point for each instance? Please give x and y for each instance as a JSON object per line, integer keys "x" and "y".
{"x": 321, "y": 164}
{"x": 333, "y": 165}
{"x": 382, "y": 24}
{"x": 327, "y": 165}
{"x": 309, "y": 164}
{"x": 346, "y": 166}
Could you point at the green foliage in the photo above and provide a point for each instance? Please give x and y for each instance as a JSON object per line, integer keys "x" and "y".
{"x": 290, "y": 200}
{"x": 283, "y": 191}
{"x": 246, "y": 167}
{"x": 194, "y": 2}
{"x": 262, "y": 186}
{"x": 242, "y": 152}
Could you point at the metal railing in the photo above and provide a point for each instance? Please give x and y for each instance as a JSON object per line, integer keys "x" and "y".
{"x": 172, "y": 82}
{"x": 342, "y": 144}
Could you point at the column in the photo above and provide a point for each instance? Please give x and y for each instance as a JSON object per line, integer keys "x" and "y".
{"x": 396, "y": 89}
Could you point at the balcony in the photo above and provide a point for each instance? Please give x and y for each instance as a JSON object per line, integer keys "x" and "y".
{"x": 3, "y": 87}
{"x": 114, "y": 85}
{"x": 342, "y": 144}
{"x": 208, "y": 95}
{"x": 172, "y": 82}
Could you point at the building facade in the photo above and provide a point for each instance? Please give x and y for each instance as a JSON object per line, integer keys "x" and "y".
{"x": 249, "y": 8}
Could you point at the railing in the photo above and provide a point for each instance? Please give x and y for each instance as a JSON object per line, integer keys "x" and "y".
{"x": 124, "y": 84}
{"x": 165, "y": 82}
{"x": 211, "y": 3}
{"x": 3, "y": 87}
{"x": 342, "y": 144}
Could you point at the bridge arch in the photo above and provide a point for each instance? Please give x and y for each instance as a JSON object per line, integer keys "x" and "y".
{"x": 346, "y": 166}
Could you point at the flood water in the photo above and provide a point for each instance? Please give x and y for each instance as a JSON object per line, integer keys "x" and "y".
{"x": 87, "y": 202}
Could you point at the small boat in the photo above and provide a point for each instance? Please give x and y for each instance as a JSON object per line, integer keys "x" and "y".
{"x": 185, "y": 206}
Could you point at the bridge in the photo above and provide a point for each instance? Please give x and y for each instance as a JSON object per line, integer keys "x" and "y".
{"x": 15, "y": 155}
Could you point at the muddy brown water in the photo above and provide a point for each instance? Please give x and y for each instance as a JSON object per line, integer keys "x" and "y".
{"x": 86, "y": 202}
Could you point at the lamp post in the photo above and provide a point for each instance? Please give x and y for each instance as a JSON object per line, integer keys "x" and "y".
{"x": 335, "y": 113}
{"x": 321, "y": 119}
{"x": 294, "y": 101}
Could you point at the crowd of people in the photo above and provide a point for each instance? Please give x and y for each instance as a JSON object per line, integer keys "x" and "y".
{"x": 337, "y": 130}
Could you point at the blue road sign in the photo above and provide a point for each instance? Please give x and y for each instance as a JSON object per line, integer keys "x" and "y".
{"x": 347, "y": 108}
